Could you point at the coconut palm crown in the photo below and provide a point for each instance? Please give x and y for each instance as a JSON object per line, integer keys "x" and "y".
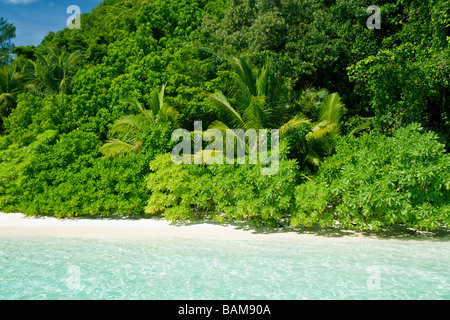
{"x": 124, "y": 133}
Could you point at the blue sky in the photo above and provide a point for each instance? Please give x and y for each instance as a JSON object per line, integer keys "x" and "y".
{"x": 34, "y": 19}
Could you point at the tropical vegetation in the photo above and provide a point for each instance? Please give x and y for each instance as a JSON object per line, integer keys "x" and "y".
{"x": 363, "y": 114}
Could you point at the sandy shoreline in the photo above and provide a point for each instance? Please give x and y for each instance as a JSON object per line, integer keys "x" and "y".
{"x": 18, "y": 224}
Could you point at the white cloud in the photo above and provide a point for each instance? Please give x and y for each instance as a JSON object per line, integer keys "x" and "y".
{"x": 19, "y": 1}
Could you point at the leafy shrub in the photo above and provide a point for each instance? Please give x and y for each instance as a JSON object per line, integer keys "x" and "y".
{"x": 376, "y": 181}
{"x": 64, "y": 176}
{"x": 157, "y": 139}
{"x": 34, "y": 115}
{"x": 106, "y": 187}
{"x": 14, "y": 161}
{"x": 221, "y": 191}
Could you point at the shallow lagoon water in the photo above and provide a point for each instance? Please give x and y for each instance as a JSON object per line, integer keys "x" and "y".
{"x": 41, "y": 267}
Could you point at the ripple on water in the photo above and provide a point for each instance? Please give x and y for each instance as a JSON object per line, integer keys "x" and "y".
{"x": 65, "y": 268}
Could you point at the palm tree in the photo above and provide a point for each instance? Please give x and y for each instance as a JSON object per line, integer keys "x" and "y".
{"x": 10, "y": 86}
{"x": 124, "y": 133}
{"x": 257, "y": 102}
{"x": 51, "y": 72}
{"x": 309, "y": 101}
{"x": 322, "y": 134}
{"x": 258, "y": 106}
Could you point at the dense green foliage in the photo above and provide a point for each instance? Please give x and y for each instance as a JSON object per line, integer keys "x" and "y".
{"x": 375, "y": 181}
{"x": 87, "y": 116}
{"x": 126, "y": 133}
{"x": 63, "y": 176}
{"x": 222, "y": 191}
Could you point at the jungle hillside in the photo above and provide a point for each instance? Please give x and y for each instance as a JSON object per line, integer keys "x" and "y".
{"x": 363, "y": 113}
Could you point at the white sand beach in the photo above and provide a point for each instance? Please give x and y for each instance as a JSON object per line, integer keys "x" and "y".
{"x": 19, "y": 224}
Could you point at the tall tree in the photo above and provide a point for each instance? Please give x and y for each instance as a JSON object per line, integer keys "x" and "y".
{"x": 52, "y": 71}
{"x": 320, "y": 133}
{"x": 7, "y": 32}
{"x": 258, "y": 104}
{"x": 10, "y": 85}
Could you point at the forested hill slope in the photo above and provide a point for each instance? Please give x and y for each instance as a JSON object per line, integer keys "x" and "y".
{"x": 87, "y": 117}
{"x": 109, "y": 22}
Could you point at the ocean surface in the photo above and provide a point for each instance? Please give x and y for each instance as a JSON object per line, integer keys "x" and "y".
{"x": 41, "y": 268}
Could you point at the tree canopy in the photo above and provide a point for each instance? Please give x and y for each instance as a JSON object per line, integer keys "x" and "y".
{"x": 87, "y": 116}
{"x": 7, "y": 33}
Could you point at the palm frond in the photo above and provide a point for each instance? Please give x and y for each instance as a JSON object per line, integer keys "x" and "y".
{"x": 10, "y": 86}
{"x": 136, "y": 105}
{"x": 51, "y": 72}
{"x": 320, "y": 130}
{"x": 156, "y": 101}
{"x": 227, "y": 111}
{"x": 253, "y": 115}
{"x": 312, "y": 158}
{"x": 294, "y": 124}
{"x": 169, "y": 113}
{"x": 126, "y": 130}
{"x": 331, "y": 109}
{"x": 73, "y": 61}
{"x": 116, "y": 148}
{"x": 219, "y": 125}
{"x": 359, "y": 128}
{"x": 310, "y": 100}
{"x": 238, "y": 135}
{"x": 128, "y": 126}
{"x": 262, "y": 80}
{"x": 246, "y": 74}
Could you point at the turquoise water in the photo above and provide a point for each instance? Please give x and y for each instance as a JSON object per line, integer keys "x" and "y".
{"x": 77, "y": 268}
